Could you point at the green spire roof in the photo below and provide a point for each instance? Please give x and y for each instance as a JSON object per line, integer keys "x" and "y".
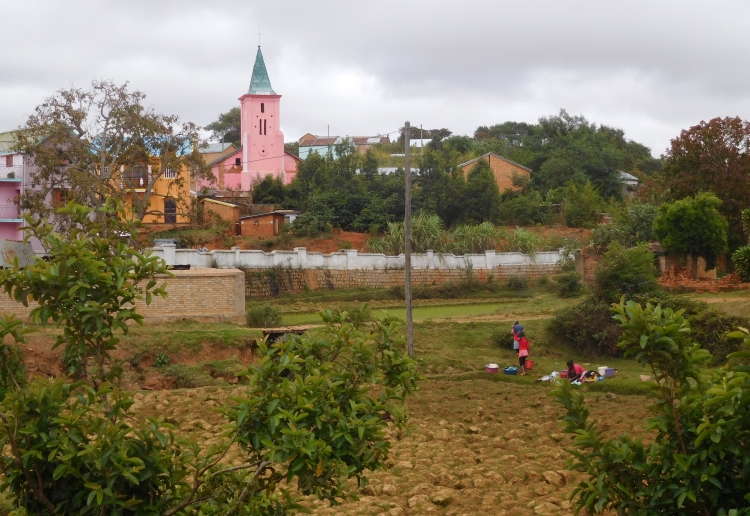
{"x": 260, "y": 84}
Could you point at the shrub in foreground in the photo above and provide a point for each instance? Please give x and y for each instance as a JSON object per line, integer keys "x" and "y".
{"x": 698, "y": 463}
{"x": 263, "y": 316}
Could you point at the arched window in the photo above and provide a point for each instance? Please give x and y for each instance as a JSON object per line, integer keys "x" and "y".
{"x": 262, "y": 107}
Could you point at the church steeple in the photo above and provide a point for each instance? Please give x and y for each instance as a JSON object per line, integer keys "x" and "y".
{"x": 260, "y": 84}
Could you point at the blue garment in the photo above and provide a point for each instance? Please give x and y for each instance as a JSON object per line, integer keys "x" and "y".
{"x": 517, "y": 328}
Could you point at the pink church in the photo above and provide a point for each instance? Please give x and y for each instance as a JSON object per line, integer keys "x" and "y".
{"x": 262, "y": 143}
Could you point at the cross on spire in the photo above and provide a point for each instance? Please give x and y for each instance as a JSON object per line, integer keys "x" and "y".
{"x": 259, "y": 35}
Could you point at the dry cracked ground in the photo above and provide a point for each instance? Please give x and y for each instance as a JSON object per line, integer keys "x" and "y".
{"x": 478, "y": 447}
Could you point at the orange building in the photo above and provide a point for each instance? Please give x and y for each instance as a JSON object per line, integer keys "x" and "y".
{"x": 263, "y": 224}
{"x": 503, "y": 169}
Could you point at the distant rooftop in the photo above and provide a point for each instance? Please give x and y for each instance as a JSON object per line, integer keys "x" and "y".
{"x": 7, "y": 141}
{"x": 217, "y": 147}
{"x": 260, "y": 84}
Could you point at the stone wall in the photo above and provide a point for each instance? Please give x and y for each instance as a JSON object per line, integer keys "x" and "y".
{"x": 210, "y": 295}
{"x": 276, "y": 281}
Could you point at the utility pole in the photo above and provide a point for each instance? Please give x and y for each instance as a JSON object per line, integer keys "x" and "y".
{"x": 328, "y": 138}
{"x": 421, "y": 141}
{"x": 407, "y": 243}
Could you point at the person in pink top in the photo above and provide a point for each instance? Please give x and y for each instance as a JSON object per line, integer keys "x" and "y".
{"x": 575, "y": 371}
{"x": 523, "y": 350}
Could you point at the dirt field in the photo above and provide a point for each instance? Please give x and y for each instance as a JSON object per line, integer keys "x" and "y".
{"x": 478, "y": 447}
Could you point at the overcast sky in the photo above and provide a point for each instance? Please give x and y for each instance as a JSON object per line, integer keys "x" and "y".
{"x": 650, "y": 67}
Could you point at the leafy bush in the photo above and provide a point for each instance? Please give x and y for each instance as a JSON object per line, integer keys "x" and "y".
{"x": 569, "y": 284}
{"x": 741, "y": 261}
{"x": 525, "y": 210}
{"x": 587, "y": 327}
{"x": 263, "y": 316}
{"x": 698, "y": 461}
{"x": 502, "y": 339}
{"x": 516, "y": 283}
{"x": 625, "y": 272}
{"x": 582, "y": 206}
{"x": 710, "y": 327}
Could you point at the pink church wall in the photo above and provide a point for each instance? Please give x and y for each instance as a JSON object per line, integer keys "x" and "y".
{"x": 262, "y": 139}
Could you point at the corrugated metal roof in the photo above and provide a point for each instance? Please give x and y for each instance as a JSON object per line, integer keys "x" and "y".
{"x": 10, "y": 249}
{"x": 624, "y": 176}
{"x": 321, "y": 142}
{"x": 7, "y": 142}
{"x": 217, "y": 147}
{"x": 260, "y": 83}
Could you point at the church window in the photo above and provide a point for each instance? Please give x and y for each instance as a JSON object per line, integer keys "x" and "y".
{"x": 264, "y": 126}
{"x": 260, "y": 127}
{"x": 237, "y": 162}
{"x": 262, "y": 107}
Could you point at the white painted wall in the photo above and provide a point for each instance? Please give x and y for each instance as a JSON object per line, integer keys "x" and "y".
{"x": 300, "y": 258}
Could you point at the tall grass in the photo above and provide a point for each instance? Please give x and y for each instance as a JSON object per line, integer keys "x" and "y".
{"x": 522, "y": 240}
{"x": 428, "y": 232}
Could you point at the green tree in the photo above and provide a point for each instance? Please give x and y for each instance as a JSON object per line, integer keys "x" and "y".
{"x": 482, "y": 199}
{"x": 698, "y": 461}
{"x": 693, "y": 226}
{"x": 105, "y": 143}
{"x": 227, "y": 127}
{"x": 269, "y": 190}
{"x": 712, "y": 157}
{"x": 582, "y": 204}
{"x": 77, "y": 448}
{"x": 89, "y": 286}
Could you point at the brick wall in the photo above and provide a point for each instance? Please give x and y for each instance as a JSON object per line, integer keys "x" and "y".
{"x": 211, "y": 295}
{"x": 266, "y": 283}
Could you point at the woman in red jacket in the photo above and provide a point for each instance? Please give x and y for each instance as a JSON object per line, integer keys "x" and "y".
{"x": 523, "y": 351}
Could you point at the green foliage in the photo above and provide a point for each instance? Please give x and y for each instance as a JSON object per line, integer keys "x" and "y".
{"x": 428, "y": 233}
{"x": 73, "y": 453}
{"x": 227, "y": 127}
{"x": 516, "y": 283}
{"x": 698, "y": 462}
{"x": 694, "y": 226}
{"x": 162, "y": 360}
{"x": 12, "y": 370}
{"x": 525, "y": 209}
{"x": 587, "y": 327}
{"x": 568, "y": 284}
{"x": 482, "y": 194}
{"x": 302, "y": 382}
{"x": 625, "y": 271}
{"x": 712, "y": 156}
{"x": 741, "y": 262}
{"x": 89, "y": 286}
{"x": 631, "y": 227}
{"x": 502, "y": 339}
{"x": 263, "y": 316}
{"x": 582, "y": 205}
{"x": 710, "y": 327}
{"x": 521, "y": 240}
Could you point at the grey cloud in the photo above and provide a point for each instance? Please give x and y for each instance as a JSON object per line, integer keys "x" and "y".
{"x": 651, "y": 68}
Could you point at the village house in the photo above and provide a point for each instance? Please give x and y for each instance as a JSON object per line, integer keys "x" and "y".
{"x": 14, "y": 168}
{"x": 310, "y": 143}
{"x": 506, "y": 172}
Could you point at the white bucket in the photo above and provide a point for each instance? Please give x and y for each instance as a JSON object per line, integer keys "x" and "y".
{"x": 602, "y": 370}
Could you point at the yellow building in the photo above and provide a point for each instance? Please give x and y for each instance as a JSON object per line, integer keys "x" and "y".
{"x": 169, "y": 198}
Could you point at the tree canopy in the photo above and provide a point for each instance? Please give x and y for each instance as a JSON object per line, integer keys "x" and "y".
{"x": 693, "y": 226}
{"x": 103, "y": 143}
{"x": 227, "y": 127}
{"x": 712, "y": 156}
